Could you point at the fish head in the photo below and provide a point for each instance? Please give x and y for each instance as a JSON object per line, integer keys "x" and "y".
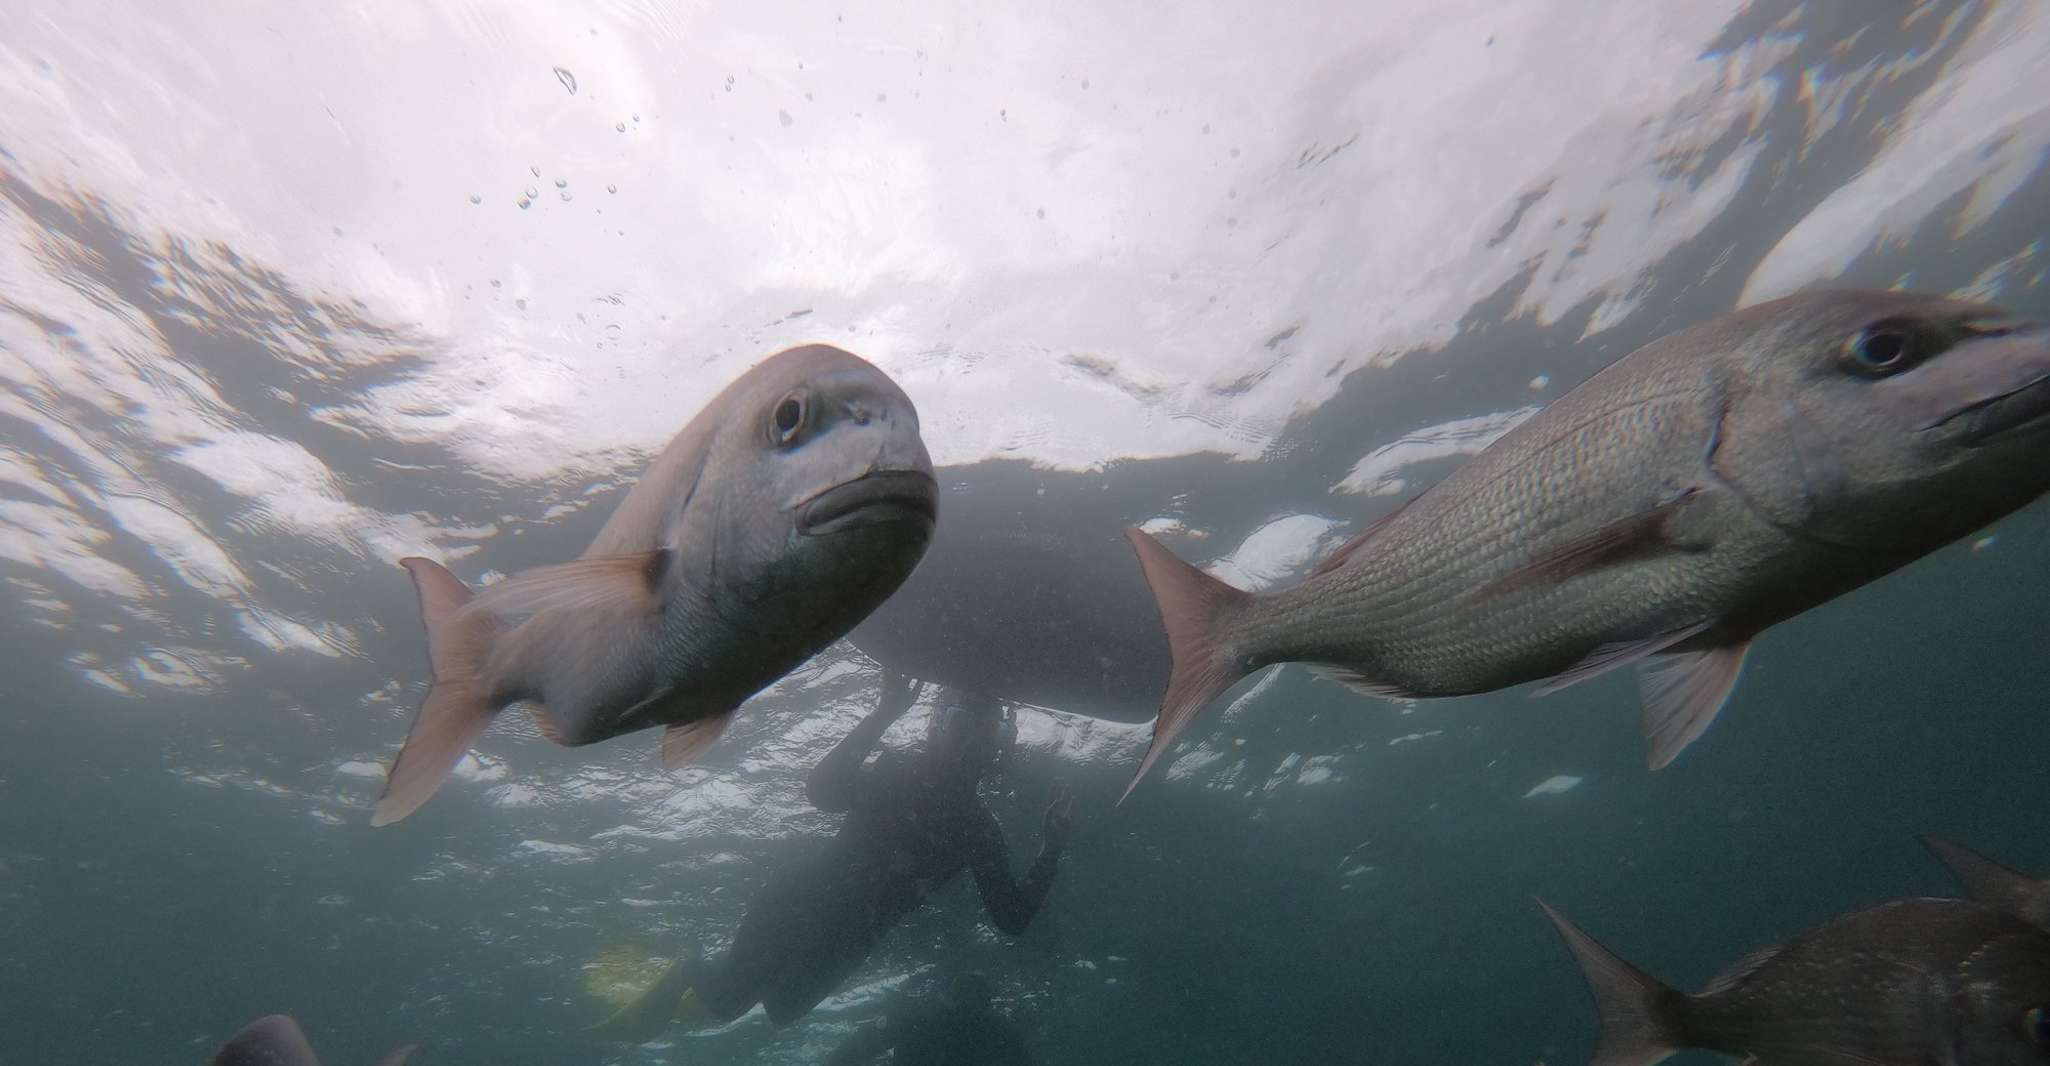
{"x": 1887, "y": 421}
{"x": 2004, "y": 987}
{"x": 825, "y": 482}
{"x": 272, "y": 1040}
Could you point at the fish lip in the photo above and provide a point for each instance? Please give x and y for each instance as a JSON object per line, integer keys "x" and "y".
{"x": 878, "y": 496}
{"x": 2018, "y": 409}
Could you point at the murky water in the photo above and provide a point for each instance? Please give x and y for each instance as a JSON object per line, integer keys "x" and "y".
{"x": 288, "y": 294}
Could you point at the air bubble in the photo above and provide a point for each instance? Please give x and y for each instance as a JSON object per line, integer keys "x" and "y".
{"x": 568, "y": 80}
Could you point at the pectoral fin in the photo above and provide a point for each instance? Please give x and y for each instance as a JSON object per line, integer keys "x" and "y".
{"x": 682, "y": 744}
{"x": 603, "y": 584}
{"x": 1634, "y": 537}
{"x": 1683, "y": 693}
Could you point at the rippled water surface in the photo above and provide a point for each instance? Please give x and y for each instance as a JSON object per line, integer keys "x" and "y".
{"x": 289, "y": 292}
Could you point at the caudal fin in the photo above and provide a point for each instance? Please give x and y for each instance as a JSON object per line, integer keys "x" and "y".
{"x": 1637, "y": 1012}
{"x": 458, "y": 705}
{"x": 1193, "y": 606}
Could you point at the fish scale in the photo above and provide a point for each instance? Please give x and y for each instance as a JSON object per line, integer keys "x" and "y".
{"x": 1683, "y": 499}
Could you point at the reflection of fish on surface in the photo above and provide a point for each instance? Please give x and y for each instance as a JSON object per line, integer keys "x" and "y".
{"x": 277, "y": 1040}
{"x": 1907, "y": 983}
{"x": 1690, "y": 495}
{"x": 1990, "y": 882}
{"x": 1024, "y": 594}
{"x": 790, "y": 506}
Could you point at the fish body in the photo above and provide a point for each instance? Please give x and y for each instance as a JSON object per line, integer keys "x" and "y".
{"x": 795, "y": 502}
{"x": 277, "y": 1040}
{"x": 1915, "y": 982}
{"x": 1686, "y": 497}
{"x": 1990, "y": 882}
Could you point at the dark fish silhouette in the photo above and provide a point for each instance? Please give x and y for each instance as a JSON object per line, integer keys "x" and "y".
{"x": 796, "y": 501}
{"x": 1684, "y": 499}
{"x": 1989, "y": 882}
{"x": 1915, "y": 982}
{"x": 276, "y": 1040}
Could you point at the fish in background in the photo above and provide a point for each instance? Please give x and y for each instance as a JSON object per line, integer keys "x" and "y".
{"x": 277, "y": 1040}
{"x": 796, "y": 501}
{"x": 1989, "y": 882}
{"x": 1687, "y": 497}
{"x": 1914, "y": 982}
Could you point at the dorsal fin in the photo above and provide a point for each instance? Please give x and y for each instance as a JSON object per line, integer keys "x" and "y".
{"x": 1735, "y": 973}
{"x": 1353, "y": 543}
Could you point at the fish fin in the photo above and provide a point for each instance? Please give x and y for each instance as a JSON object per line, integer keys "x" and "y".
{"x": 682, "y": 744}
{"x": 398, "y": 1055}
{"x": 624, "y": 584}
{"x": 1617, "y": 653}
{"x": 1361, "y": 683}
{"x": 1984, "y": 879}
{"x": 1353, "y": 543}
{"x": 1625, "y": 538}
{"x": 1682, "y": 692}
{"x": 272, "y": 1040}
{"x": 545, "y": 721}
{"x": 650, "y": 1012}
{"x": 1192, "y": 604}
{"x": 1637, "y": 1011}
{"x": 1735, "y": 973}
{"x": 458, "y": 705}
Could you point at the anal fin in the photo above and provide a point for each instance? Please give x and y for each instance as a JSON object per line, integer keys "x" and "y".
{"x": 682, "y": 744}
{"x": 1609, "y": 656}
{"x": 1682, "y": 694}
{"x": 1361, "y": 683}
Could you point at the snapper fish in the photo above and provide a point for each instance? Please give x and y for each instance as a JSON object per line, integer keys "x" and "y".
{"x": 1665, "y": 512}
{"x": 792, "y": 505}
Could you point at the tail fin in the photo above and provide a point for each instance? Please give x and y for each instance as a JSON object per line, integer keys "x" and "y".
{"x": 1191, "y": 604}
{"x": 1637, "y": 1012}
{"x": 458, "y": 705}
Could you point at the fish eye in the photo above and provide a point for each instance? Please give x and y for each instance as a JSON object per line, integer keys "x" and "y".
{"x": 2036, "y": 1026}
{"x": 1878, "y": 350}
{"x": 788, "y": 418}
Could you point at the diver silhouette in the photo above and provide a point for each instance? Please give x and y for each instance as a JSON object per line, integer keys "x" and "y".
{"x": 951, "y": 1026}
{"x": 913, "y": 823}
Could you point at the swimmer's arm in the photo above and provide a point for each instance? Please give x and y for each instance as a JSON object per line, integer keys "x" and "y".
{"x": 1011, "y": 904}
{"x": 834, "y": 782}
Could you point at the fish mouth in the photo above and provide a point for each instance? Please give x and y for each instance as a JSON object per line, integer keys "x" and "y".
{"x": 883, "y": 496}
{"x": 1981, "y": 423}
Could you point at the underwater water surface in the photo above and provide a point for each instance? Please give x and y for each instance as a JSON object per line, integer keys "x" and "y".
{"x": 290, "y": 292}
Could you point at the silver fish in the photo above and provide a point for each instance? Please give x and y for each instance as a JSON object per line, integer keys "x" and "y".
{"x": 1989, "y": 882}
{"x": 277, "y": 1040}
{"x": 796, "y": 501}
{"x": 1915, "y": 982}
{"x": 1688, "y": 496}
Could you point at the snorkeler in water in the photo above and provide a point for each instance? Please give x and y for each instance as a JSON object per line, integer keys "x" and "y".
{"x": 952, "y": 1026}
{"x": 913, "y": 823}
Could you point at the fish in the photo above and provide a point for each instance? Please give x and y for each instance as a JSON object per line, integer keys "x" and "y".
{"x": 790, "y": 506}
{"x": 1663, "y": 513}
{"x": 277, "y": 1040}
{"x": 1913, "y": 982}
{"x": 1989, "y": 882}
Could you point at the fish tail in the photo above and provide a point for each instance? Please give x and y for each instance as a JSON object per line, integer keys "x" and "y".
{"x": 458, "y": 705}
{"x": 1640, "y": 1015}
{"x": 1194, "y": 608}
